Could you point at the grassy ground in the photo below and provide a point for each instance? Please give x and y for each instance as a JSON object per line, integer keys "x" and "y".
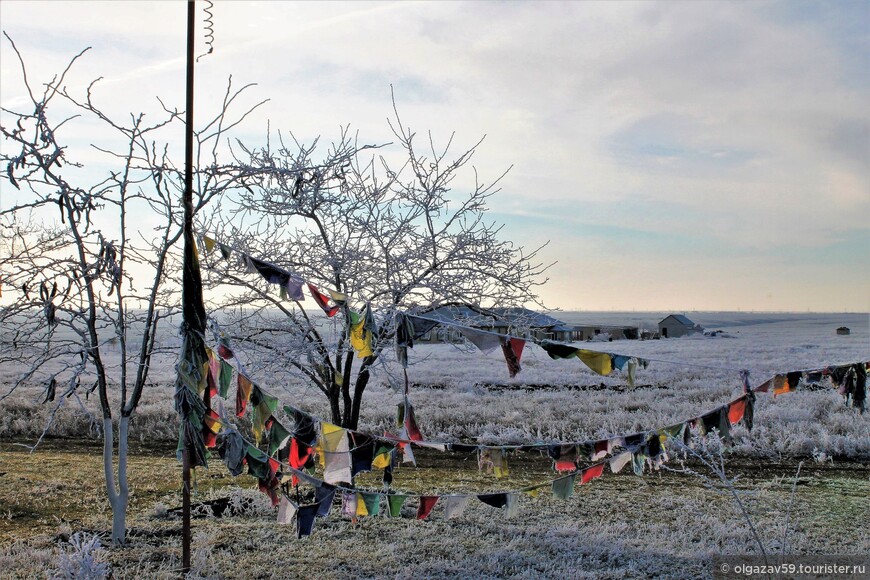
{"x": 664, "y": 524}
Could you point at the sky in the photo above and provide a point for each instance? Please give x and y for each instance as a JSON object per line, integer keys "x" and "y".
{"x": 677, "y": 156}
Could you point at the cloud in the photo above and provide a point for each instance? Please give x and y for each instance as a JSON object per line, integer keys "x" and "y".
{"x": 720, "y": 129}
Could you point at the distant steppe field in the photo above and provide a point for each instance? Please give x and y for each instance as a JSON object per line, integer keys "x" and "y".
{"x": 667, "y": 523}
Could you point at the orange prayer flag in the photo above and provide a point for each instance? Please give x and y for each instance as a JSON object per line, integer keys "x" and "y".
{"x": 736, "y": 410}
{"x": 243, "y": 394}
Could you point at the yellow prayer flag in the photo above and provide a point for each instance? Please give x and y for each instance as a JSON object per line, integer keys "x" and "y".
{"x": 337, "y": 297}
{"x": 381, "y": 461}
{"x": 600, "y": 362}
{"x": 333, "y": 436}
{"x": 209, "y": 244}
{"x": 361, "y": 509}
{"x": 203, "y": 377}
{"x": 361, "y": 340}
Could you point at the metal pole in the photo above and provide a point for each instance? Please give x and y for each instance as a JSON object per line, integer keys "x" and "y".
{"x": 193, "y": 311}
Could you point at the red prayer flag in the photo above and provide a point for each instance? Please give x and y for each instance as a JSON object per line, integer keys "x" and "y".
{"x": 322, "y": 301}
{"x": 427, "y": 502}
{"x": 518, "y": 344}
{"x": 564, "y": 465}
{"x": 411, "y": 424}
{"x": 513, "y": 351}
{"x": 224, "y": 351}
{"x": 591, "y": 473}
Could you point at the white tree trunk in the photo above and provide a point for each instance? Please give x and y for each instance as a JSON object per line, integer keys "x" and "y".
{"x": 118, "y": 497}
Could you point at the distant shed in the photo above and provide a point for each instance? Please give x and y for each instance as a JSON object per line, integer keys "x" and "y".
{"x": 844, "y": 330}
{"x": 677, "y": 325}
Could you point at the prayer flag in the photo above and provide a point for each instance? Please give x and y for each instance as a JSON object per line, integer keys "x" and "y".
{"x": 372, "y": 503}
{"x": 278, "y": 437}
{"x": 361, "y": 339}
{"x": 600, "y": 362}
{"x": 496, "y": 500}
{"x": 209, "y": 244}
{"x": 563, "y": 488}
{"x": 736, "y": 409}
{"x": 322, "y": 301}
{"x": 286, "y": 510}
{"x": 427, "y": 502}
{"x": 513, "y": 352}
{"x": 226, "y": 378}
{"x": 512, "y": 506}
{"x": 305, "y": 520}
{"x": 338, "y": 297}
{"x": 485, "y": 341}
{"x": 243, "y": 394}
{"x": 395, "y": 502}
{"x": 324, "y": 495}
{"x": 454, "y": 506}
{"x": 383, "y": 455}
{"x": 336, "y": 454}
{"x": 618, "y": 462}
{"x": 557, "y": 350}
{"x": 591, "y": 473}
{"x": 264, "y": 406}
{"x": 361, "y": 508}
{"x": 225, "y": 251}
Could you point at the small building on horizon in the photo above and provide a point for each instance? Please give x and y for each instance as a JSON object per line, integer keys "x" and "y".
{"x": 519, "y": 322}
{"x": 677, "y": 325}
{"x": 614, "y": 332}
{"x": 844, "y": 331}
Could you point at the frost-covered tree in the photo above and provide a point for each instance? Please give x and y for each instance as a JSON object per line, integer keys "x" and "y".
{"x": 371, "y": 238}
{"x": 90, "y": 252}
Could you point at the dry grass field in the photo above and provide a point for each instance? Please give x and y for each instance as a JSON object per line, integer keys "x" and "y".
{"x": 664, "y": 524}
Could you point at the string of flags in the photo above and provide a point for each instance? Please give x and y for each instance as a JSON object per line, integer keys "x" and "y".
{"x": 362, "y": 327}
{"x": 292, "y": 456}
{"x": 409, "y": 327}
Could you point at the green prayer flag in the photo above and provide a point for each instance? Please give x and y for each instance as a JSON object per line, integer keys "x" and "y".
{"x": 673, "y": 432}
{"x": 396, "y": 502}
{"x": 400, "y": 414}
{"x": 278, "y": 436}
{"x": 264, "y": 406}
{"x": 258, "y": 463}
{"x": 226, "y": 379}
{"x": 563, "y": 488}
{"x": 373, "y": 503}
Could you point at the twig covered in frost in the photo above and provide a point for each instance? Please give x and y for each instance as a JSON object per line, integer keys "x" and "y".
{"x": 84, "y": 562}
{"x": 790, "y": 505}
{"x": 709, "y": 453}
